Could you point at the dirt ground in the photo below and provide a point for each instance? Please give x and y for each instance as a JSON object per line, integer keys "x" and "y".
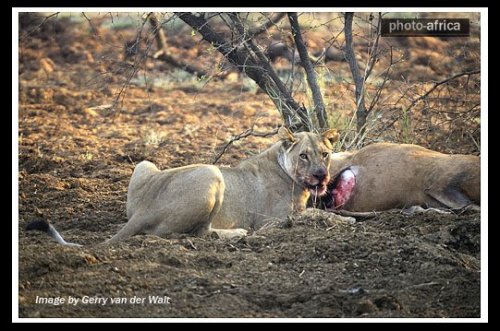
{"x": 77, "y": 153}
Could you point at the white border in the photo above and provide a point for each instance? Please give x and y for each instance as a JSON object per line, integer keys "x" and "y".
{"x": 15, "y": 168}
{"x": 484, "y": 165}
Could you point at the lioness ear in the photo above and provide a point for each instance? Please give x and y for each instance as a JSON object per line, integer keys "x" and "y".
{"x": 285, "y": 134}
{"x": 330, "y": 137}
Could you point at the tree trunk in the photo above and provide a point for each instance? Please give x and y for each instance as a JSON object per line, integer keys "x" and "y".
{"x": 319, "y": 107}
{"x": 356, "y": 75}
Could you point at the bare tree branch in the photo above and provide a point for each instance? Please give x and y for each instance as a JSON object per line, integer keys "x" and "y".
{"x": 45, "y": 19}
{"x": 94, "y": 30}
{"x": 374, "y": 49}
{"x": 132, "y": 68}
{"x": 164, "y": 54}
{"x": 361, "y": 113}
{"x": 378, "y": 93}
{"x": 319, "y": 107}
{"x": 256, "y": 69}
{"x": 273, "y": 20}
{"x": 426, "y": 94}
{"x": 437, "y": 84}
{"x": 264, "y": 62}
{"x": 244, "y": 134}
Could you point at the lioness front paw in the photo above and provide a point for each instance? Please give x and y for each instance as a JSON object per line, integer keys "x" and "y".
{"x": 239, "y": 233}
{"x": 230, "y": 233}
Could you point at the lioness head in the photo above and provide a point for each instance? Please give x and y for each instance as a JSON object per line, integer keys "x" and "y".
{"x": 305, "y": 156}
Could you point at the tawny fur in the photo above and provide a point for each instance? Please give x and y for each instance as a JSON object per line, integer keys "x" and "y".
{"x": 401, "y": 175}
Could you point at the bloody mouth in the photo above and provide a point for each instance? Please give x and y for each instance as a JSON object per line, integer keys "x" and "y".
{"x": 317, "y": 190}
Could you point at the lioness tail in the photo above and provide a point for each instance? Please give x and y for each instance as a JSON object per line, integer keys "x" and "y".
{"x": 44, "y": 226}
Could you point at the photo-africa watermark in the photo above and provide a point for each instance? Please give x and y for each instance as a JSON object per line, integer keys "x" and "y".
{"x": 102, "y": 301}
{"x": 419, "y": 27}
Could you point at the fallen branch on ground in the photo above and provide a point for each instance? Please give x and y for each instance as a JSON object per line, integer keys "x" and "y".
{"x": 406, "y": 212}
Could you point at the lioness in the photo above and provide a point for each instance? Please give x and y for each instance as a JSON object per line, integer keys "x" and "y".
{"x": 385, "y": 176}
{"x": 194, "y": 198}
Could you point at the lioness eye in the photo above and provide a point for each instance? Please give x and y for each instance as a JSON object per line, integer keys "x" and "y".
{"x": 325, "y": 154}
{"x": 303, "y": 156}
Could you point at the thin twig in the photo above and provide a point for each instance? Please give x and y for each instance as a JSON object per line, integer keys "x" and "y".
{"x": 164, "y": 54}
{"x": 378, "y": 93}
{"x": 424, "y": 284}
{"x": 138, "y": 57}
{"x": 475, "y": 143}
{"x": 244, "y": 134}
{"x": 437, "y": 84}
{"x": 27, "y": 34}
{"x": 94, "y": 30}
{"x": 271, "y": 21}
{"x": 373, "y": 54}
{"x": 426, "y": 94}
